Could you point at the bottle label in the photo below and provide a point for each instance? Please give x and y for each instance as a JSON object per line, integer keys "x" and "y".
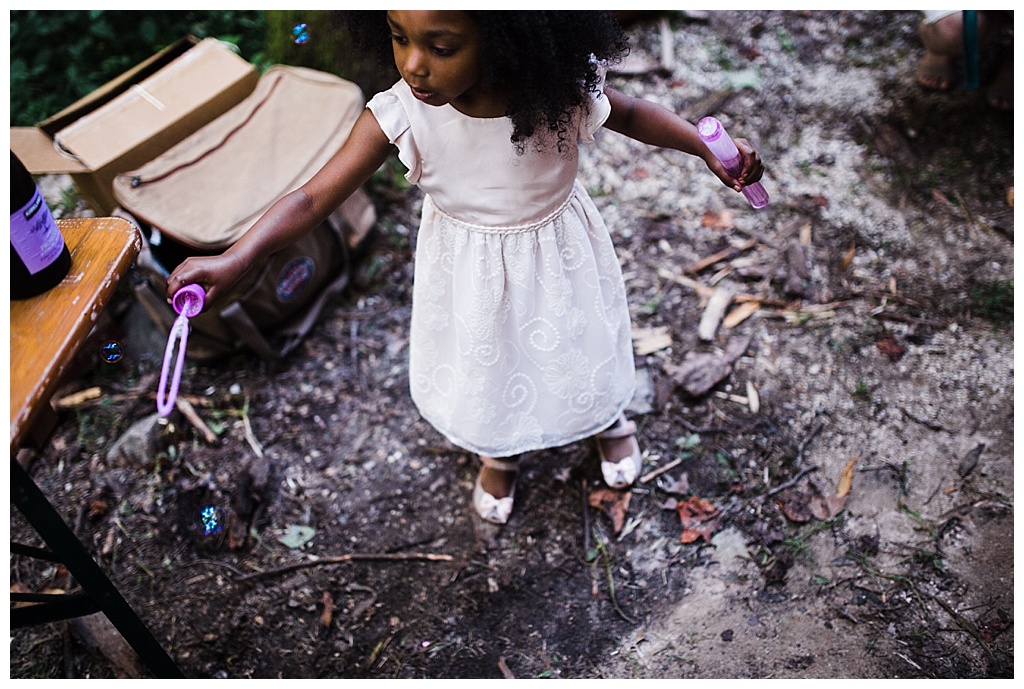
{"x": 35, "y": 235}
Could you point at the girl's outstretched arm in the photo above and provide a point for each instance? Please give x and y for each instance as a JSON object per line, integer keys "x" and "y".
{"x": 655, "y": 125}
{"x": 293, "y": 215}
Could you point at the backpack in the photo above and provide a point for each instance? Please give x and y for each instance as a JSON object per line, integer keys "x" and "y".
{"x": 204, "y": 193}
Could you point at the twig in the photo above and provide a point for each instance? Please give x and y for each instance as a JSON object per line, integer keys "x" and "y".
{"x": 658, "y": 472}
{"x": 720, "y": 256}
{"x": 758, "y": 236}
{"x": 185, "y": 407}
{"x": 964, "y": 624}
{"x": 805, "y": 442}
{"x": 793, "y": 481}
{"x": 218, "y": 563}
{"x": 909, "y": 660}
{"x": 703, "y": 290}
{"x": 925, "y": 422}
{"x": 250, "y": 437}
{"x": 611, "y": 580}
{"x": 351, "y": 557}
{"x": 892, "y": 316}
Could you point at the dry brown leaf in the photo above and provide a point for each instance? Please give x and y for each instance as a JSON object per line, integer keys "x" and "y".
{"x": 614, "y": 503}
{"x": 722, "y": 220}
{"x": 847, "y": 261}
{"x": 699, "y": 519}
{"x": 328, "y": 614}
{"x": 846, "y": 479}
{"x": 795, "y": 505}
{"x": 891, "y": 348}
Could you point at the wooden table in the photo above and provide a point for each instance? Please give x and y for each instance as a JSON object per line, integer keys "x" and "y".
{"x": 47, "y": 330}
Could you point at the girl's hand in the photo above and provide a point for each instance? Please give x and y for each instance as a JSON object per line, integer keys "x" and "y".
{"x": 752, "y": 170}
{"x": 215, "y": 274}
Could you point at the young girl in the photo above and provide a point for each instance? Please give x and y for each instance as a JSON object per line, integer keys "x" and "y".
{"x": 520, "y": 333}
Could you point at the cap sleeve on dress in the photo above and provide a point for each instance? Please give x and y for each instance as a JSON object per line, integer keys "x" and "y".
{"x": 394, "y": 122}
{"x": 599, "y": 109}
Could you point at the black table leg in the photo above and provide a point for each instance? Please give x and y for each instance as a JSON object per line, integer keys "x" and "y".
{"x": 32, "y": 503}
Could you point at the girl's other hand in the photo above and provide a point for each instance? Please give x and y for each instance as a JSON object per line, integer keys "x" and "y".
{"x": 215, "y": 274}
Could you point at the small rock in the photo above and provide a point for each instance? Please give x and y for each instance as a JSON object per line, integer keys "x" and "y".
{"x": 139, "y": 444}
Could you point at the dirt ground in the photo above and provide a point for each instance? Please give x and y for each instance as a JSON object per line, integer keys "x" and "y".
{"x": 838, "y": 456}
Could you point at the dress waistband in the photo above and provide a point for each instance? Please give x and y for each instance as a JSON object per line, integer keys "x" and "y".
{"x": 507, "y": 229}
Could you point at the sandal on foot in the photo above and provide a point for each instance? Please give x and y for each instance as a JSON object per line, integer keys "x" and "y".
{"x": 935, "y": 72}
{"x": 490, "y": 508}
{"x": 1000, "y": 94}
{"x": 620, "y": 472}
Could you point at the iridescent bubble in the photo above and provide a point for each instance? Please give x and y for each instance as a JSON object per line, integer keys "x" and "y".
{"x": 300, "y": 33}
{"x": 210, "y": 519}
{"x": 112, "y": 352}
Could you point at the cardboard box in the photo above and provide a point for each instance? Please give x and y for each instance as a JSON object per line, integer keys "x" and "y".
{"x": 135, "y": 117}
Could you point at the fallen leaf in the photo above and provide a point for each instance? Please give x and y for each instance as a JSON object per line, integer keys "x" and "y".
{"x": 844, "y": 264}
{"x": 890, "y": 348}
{"x": 846, "y": 479}
{"x": 744, "y": 78}
{"x": 328, "y": 614}
{"x": 699, "y": 519}
{"x": 721, "y": 220}
{"x": 680, "y": 486}
{"x": 97, "y": 508}
{"x": 970, "y": 460}
{"x": 614, "y": 503}
{"x": 700, "y": 372}
{"x": 794, "y": 505}
{"x": 297, "y": 536}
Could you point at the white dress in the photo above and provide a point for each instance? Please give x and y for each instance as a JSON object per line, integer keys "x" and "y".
{"x": 520, "y": 333}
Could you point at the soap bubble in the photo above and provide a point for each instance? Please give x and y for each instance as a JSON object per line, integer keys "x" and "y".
{"x": 209, "y": 519}
{"x": 300, "y": 33}
{"x": 112, "y": 352}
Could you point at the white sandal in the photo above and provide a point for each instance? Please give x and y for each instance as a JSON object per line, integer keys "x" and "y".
{"x": 624, "y": 472}
{"x": 490, "y": 508}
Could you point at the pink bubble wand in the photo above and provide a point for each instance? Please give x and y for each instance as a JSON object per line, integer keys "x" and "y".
{"x": 187, "y": 302}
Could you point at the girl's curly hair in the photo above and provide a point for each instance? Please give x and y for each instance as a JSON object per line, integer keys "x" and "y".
{"x": 542, "y": 60}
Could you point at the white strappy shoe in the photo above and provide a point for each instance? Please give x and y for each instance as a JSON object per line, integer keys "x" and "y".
{"x": 490, "y": 508}
{"x": 620, "y": 473}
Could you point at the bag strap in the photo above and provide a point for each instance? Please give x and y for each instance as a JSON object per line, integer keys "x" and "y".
{"x": 239, "y": 322}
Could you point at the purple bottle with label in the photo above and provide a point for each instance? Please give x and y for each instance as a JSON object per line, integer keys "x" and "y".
{"x": 39, "y": 257}
{"x": 721, "y": 145}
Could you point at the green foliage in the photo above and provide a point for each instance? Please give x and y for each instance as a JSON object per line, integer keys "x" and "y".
{"x": 59, "y": 56}
{"x": 994, "y": 301}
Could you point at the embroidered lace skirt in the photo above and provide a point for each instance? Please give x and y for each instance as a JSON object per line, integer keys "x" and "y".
{"x": 520, "y": 335}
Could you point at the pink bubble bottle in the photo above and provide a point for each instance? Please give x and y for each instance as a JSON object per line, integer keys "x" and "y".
{"x": 721, "y": 145}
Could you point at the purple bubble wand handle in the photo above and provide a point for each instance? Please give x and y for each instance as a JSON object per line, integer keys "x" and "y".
{"x": 188, "y": 302}
{"x": 712, "y": 133}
